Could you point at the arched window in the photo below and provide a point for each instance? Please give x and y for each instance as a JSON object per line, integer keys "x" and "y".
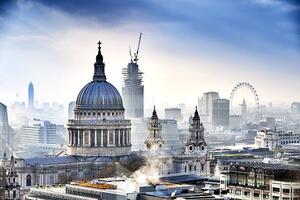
{"x": 28, "y": 180}
{"x": 184, "y": 168}
{"x": 202, "y": 166}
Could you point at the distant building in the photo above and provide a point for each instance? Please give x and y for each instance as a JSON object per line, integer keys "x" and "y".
{"x": 5, "y": 136}
{"x": 173, "y": 113}
{"x": 295, "y": 110}
{"x": 258, "y": 180}
{"x": 220, "y": 113}
{"x": 235, "y": 122}
{"x": 48, "y": 135}
{"x": 244, "y": 113}
{"x": 271, "y": 123}
{"x": 71, "y": 108}
{"x": 133, "y": 91}
{"x": 275, "y": 139}
{"x": 30, "y": 95}
{"x": 206, "y": 102}
{"x": 38, "y": 132}
{"x": 169, "y": 132}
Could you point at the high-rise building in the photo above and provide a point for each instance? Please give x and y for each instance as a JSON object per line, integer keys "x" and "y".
{"x": 71, "y": 110}
{"x": 38, "y": 132}
{"x": 133, "y": 90}
{"x": 173, "y": 113}
{"x": 5, "y": 139}
{"x": 220, "y": 113}
{"x": 30, "y": 95}
{"x": 48, "y": 133}
{"x": 205, "y": 103}
{"x": 295, "y": 110}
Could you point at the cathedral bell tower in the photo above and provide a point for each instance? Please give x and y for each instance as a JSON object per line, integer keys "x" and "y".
{"x": 154, "y": 141}
{"x": 12, "y": 189}
{"x": 196, "y": 142}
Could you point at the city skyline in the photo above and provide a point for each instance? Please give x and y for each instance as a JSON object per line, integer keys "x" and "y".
{"x": 44, "y": 41}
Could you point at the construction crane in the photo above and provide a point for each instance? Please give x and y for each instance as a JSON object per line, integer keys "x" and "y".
{"x": 137, "y": 50}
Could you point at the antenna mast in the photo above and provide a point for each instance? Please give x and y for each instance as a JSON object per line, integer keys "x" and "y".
{"x": 138, "y": 49}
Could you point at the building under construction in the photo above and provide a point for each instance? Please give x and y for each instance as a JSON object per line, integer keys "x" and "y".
{"x": 133, "y": 90}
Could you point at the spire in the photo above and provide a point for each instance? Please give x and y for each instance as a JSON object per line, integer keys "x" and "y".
{"x": 196, "y": 115}
{"x": 154, "y": 115}
{"x": 99, "y": 73}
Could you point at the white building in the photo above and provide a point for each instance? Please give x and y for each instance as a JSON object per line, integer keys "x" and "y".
{"x": 275, "y": 139}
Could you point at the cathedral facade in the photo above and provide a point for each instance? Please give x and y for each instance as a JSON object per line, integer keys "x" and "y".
{"x": 98, "y": 136}
{"x": 193, "y": 160}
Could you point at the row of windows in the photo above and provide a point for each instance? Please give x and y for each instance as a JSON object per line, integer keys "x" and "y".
{"x": 99, "y": 113}
{"x": 195, "y": 168}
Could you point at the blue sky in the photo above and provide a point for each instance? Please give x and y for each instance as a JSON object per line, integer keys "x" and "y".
{"x": 188, "y": 47}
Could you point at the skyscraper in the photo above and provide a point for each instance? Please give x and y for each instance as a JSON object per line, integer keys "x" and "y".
{"x": 133, "y": 90}
{"x": 71, "y": 108}
{"x": 4, "y": 129}
{"x": 30, "y": 95}
{"x": 220, "y": 113}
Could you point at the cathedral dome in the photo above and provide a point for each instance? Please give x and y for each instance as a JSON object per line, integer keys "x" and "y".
{"x": 99, "y": 95}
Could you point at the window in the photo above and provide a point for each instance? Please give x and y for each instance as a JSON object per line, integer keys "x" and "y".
{"x": 195, "y": 168}
{"x": 184, "y": 168}
{"x": 275, "y": 189}
{"x": 14, "y": 194}
{"x": 190, "y": 168}
{"x": 286, "y": 190}
{"x": 28, "y": 180}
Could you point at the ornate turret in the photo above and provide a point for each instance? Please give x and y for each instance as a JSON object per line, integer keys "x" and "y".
{"x": 99, "y": 71}
{"x": 196, "y": 142}
{"x": 154, "y": 141}
{"x": 12, "y": 189}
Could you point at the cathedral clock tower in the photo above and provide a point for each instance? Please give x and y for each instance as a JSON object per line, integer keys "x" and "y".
{"x": 196, "y": 142}
{"x": 154, "y": 141}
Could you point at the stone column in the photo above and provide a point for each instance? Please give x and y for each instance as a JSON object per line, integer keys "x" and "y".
{"x": 83, "y": 138}
{"x": 107, "y": 137}
{"x": 78, "y": 137}
{"x": 101, "y": 132}
{"x": 129, "y": 137}
{"x": 119, "y": 137}
{"x": 95, "y": 137}
{"x": 69, "y": 133}
{"x": 123, "y": 139}
{"x": 114, "y": 139}
{"x": 90, "y": 142}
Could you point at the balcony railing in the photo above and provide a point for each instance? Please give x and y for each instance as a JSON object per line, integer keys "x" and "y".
{"x": 97, "y": 122}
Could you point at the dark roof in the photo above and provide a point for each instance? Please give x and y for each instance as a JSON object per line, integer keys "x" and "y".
{"x": 74, "y": 159}
{"x": 183, "y": 178}
{"x": 259, "y": 164}
{"x": 99, "y": 95}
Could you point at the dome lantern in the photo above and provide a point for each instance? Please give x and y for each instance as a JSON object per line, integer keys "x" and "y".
{"x": 99, "y": 72}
